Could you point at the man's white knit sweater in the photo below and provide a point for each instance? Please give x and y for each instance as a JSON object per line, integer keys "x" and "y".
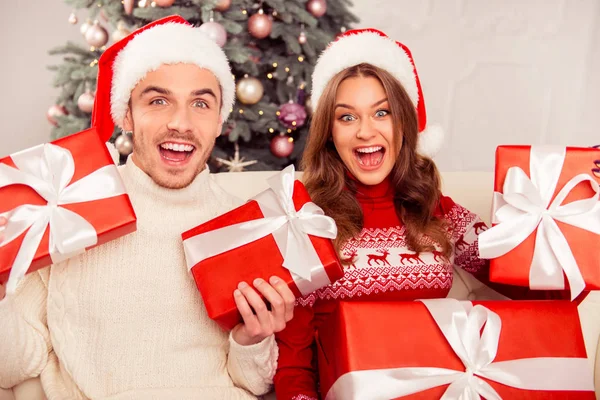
{"x": 125, "y": 320}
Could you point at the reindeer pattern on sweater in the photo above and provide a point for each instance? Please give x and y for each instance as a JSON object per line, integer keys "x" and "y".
{"x": 380, "y": 261}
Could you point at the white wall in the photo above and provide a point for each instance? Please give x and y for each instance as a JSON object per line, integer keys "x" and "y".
{"x": 500, "y": 71}
{"x": 28, "y": 30}
{"x": 493, "y": 71}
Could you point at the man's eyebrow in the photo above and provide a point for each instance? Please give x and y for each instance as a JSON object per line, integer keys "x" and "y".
{"x": 204, "y": 91}
{"x": 157, "y": 89}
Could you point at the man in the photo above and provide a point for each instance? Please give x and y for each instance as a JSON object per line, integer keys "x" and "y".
{"x": 125, "y": 320}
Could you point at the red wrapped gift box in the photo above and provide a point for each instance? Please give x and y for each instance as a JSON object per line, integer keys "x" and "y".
{"x": 217, "y": 274}
{"x": 523, "y": 257}
{"x": 386, "y": 350}
{"x": 76, "y": 172}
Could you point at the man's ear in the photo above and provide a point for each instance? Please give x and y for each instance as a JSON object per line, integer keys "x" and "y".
{"x": 128, "y": 120}
{"x": 220, "y": 126}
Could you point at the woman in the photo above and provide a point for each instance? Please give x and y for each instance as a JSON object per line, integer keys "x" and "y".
{"x": 364, "y": 164}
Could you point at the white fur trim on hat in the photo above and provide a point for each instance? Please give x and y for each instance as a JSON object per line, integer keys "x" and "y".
{"x": 430, "y": 140}
{"x": 171, "y": 43}
{"x": 365, "y": 47}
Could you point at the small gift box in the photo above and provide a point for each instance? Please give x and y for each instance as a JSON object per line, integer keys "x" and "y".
{"x": 546, "y": 219}
{"x": 279, "y": 232}
{"x": 60, "y": 199}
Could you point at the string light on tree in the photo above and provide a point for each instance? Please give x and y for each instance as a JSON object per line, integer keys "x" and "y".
{"x": 260, "y": 25}
{"x": 341, "y": 32}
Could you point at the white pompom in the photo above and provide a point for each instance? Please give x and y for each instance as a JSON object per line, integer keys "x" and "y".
{"x": 431, "y": 140}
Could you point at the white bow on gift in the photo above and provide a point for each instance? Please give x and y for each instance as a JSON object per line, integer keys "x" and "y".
{"x": 461, "y": 324}
{"x": 525, "y": 206}
{"x": 289, "y": 227}
{"x": 48, "y": 169}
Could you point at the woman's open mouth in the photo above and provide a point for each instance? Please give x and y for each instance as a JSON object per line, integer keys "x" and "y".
{"x": 369, "y": 157}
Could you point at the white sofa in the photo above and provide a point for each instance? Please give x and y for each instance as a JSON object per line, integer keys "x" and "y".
{"x": 471, "y": 189}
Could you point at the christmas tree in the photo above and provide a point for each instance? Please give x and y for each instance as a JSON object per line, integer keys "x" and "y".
{"x": 272, "y": 45}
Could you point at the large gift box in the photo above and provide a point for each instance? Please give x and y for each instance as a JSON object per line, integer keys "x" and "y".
{"x": 451, "y": 350}
{"x": 60, "y": 199}
{"x": 546, "y": 219}
{"x": 279, "y": 232}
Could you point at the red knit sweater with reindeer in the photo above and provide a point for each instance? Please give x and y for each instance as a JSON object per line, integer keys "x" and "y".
{"x": 383, "y": 268}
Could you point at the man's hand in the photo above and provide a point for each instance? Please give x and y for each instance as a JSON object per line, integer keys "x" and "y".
{"x": 262, "y": 322}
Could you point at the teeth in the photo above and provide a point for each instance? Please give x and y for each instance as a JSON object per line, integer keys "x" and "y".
{"x": 177, "y": 147}
{"x": 372, "y": 149}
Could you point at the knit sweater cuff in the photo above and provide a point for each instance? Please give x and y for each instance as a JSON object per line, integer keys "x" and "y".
{"x": 253, "y": 367}
{"x": 251, "y": 351}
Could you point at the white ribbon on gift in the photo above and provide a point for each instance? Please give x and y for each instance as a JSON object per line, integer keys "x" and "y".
{"x": 525, "y": 206}
{"x": 48, "y": 169}
{"x": 290, "y": 229}
{"x": 461, "y": 324}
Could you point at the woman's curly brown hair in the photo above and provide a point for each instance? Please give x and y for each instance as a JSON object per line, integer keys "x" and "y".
{"x": 415, "y": 178}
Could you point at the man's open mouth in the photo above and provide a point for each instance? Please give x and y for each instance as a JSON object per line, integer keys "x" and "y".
{"x": 176, "y": 152}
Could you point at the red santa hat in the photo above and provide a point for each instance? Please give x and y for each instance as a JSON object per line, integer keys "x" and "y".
{"x": 376, "y": 48}
{"x": 169, "y": 40}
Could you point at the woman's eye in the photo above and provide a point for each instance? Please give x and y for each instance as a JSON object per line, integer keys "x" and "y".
{"x": 347, "y": 118}
{"x": 382, "y": 113}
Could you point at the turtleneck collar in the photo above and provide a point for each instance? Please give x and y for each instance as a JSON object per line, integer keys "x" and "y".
{"x": 142, "y": 183}
{"x": 382, "y": 192}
